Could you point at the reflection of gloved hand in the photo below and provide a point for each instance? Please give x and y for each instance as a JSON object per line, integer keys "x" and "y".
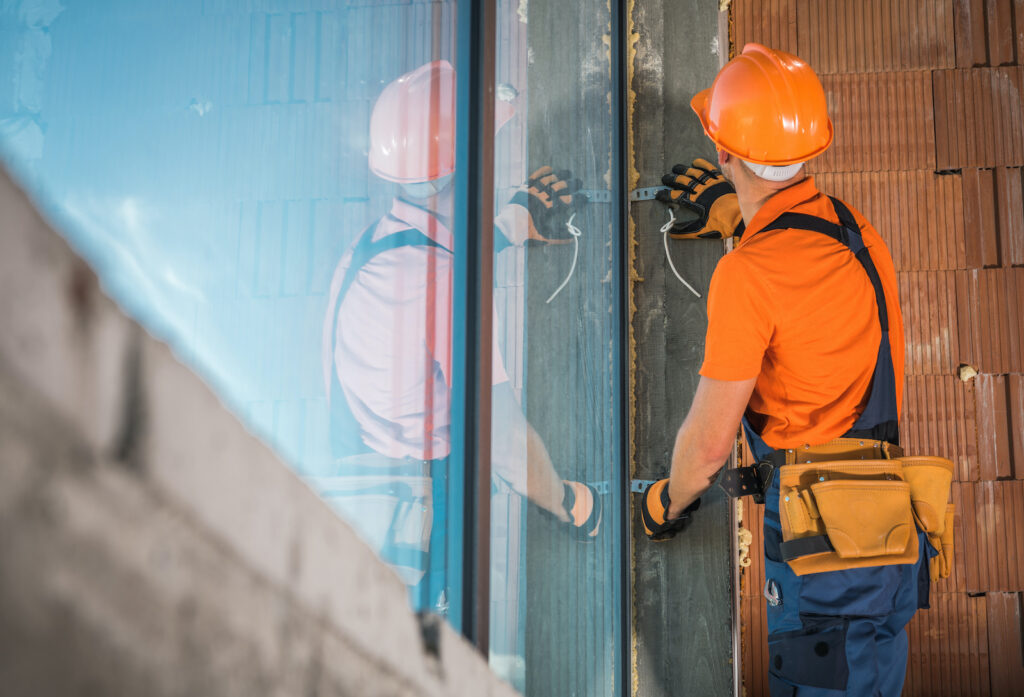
{"x": 551, "y": 198}
{"x": 583, "y": 506}
{"x": 702, "y": 188}
{"x": 653, "y": 507}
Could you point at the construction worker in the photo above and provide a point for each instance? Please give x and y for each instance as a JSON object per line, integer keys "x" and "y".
{"x": 387, "y": 342}
{"x": 804, "y": 345}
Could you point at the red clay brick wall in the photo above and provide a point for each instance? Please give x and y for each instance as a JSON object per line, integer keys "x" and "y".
{"x": 926, "y": 98}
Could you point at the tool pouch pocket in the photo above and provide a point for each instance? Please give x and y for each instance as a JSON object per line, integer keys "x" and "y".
{"x": 845, "y": 514}
{"x": 866, "y": 518}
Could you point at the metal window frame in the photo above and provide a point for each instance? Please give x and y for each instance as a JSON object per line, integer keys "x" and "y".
{"x": 473, "y": 304}
{"x": 473, "y": 295}
{"x": 620, "y": 144}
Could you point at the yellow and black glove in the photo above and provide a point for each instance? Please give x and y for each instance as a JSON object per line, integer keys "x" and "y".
{"x": 941, "y": 565}
{"x": 653, "y": 509}
{"x": 703, "y": 189}
{"x": 551, "y": 198}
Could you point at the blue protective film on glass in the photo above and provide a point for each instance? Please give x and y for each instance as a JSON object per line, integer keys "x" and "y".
{"x": 209, "y": 158}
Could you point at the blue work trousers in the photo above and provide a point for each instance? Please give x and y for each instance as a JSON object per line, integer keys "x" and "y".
{"x": 838, "y": 633}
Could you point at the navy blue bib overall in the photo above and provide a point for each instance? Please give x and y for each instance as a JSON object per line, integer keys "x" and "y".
{"x": 841, "y": 632}
{"x": 346, "y": 441}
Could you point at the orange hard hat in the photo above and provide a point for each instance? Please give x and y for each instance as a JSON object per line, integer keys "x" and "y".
{"x": 412, "y": 126}
{"x": 766, "y": 107}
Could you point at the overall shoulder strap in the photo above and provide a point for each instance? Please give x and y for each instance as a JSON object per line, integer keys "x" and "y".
{"x": 367, "y": 249}
{"x": 880, "y": 419}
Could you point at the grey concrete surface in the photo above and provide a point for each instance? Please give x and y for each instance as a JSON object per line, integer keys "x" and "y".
{"x": 148, "y": 544}
{"x": 682, "y": 589}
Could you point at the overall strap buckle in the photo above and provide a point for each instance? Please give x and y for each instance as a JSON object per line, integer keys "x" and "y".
{"x": 750, "y": 481}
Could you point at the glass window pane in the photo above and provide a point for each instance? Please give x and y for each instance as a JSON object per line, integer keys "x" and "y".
{"x": 267, "y": 185}
{"x": 557, "y": 554}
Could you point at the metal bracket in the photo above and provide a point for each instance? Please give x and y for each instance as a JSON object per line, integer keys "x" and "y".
{"x": 597, "y": 195}
{"x": 646, "y": 193}
{"x": 637, "y": 486}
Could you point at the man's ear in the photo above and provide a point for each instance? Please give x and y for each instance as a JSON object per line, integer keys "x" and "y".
{"x": 723, "y": 157}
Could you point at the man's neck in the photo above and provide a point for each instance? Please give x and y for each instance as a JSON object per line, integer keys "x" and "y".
{"x": 754, "y": 193}
{"x": 750, "y": 205}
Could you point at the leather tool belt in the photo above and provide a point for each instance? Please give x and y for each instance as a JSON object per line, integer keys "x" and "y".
{"x": 854, "y": 502}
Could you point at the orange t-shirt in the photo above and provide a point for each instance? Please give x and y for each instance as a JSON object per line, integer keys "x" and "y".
{"x": 796, "y": 309}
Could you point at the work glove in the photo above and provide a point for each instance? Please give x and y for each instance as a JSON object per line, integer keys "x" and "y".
{"x": 653, "y": 507}
{"x": 703, "y": 189}
{"x": 941, "y": 565}
{"x": 551, "y": 198}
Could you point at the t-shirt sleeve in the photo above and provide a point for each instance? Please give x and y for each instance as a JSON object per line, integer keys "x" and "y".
{"x": 740, "y": 322}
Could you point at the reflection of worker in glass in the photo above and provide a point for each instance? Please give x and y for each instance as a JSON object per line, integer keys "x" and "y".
{"x": 388, "y": 342}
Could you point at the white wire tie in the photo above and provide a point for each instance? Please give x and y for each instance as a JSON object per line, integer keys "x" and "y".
{"x": 575, "y": 232}
{"x": 664, "y": 232}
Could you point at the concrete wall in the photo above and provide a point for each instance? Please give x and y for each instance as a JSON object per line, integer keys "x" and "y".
{"x": 148, "y": 544}
{"x": 682, "y": 589}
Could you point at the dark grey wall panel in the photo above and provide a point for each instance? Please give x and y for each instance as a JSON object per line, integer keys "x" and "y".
{"x": 682, "y": 598}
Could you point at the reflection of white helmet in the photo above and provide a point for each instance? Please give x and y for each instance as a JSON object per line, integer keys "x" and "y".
{"x": 412, "y": 127}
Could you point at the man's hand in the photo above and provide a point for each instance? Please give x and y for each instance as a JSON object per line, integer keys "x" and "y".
{"x": 659, "y": 524}
{"x": 551, "y": 198}
{"x": 703, "y": 189}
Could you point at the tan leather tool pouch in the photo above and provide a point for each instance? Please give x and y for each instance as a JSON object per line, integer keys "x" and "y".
{"x": 861, "y": 507}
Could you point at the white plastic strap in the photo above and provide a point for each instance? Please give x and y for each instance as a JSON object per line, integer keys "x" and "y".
{"x": 774, "y": 173}
{"x": 575, "y": 232}
{"x": 664, "y": 232}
